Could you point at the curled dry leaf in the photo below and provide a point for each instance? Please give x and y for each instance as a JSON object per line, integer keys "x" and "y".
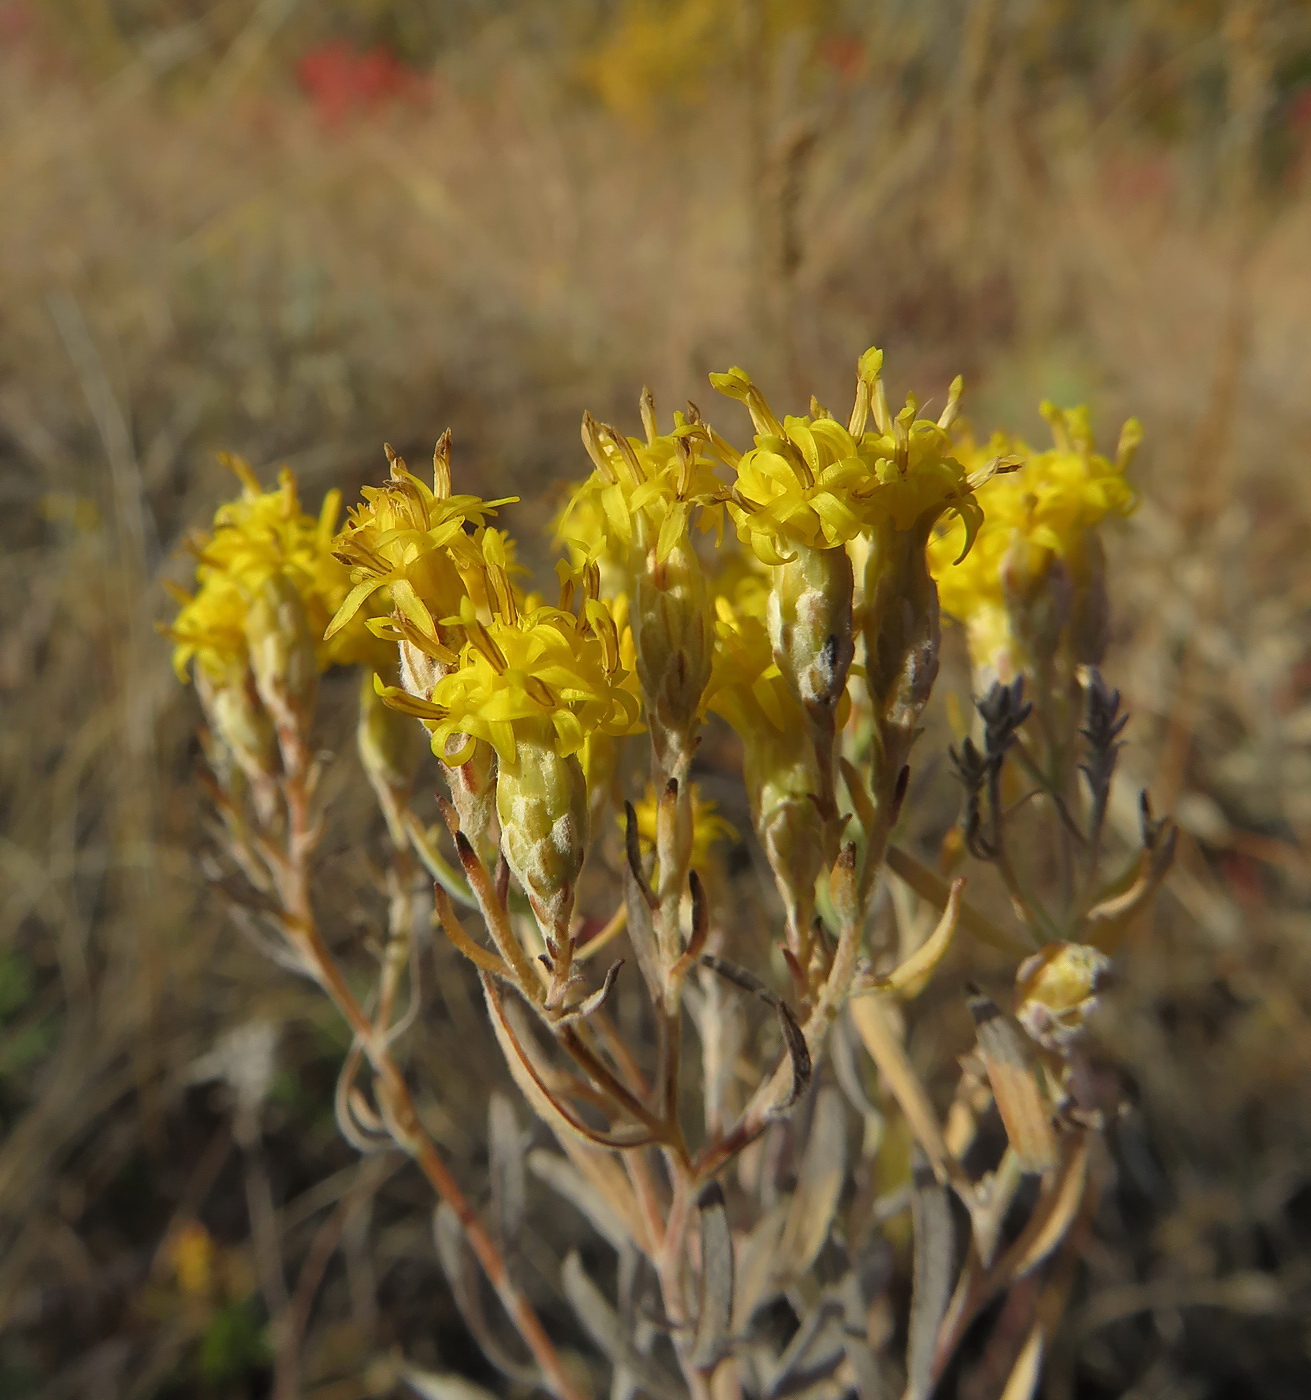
{"x": 1014, "y": 1086}
{"x": 909, "y": 978}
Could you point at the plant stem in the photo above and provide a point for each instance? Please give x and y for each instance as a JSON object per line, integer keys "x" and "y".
{"x": 394, "y": 1094}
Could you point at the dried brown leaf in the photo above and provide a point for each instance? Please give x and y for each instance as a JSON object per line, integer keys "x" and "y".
{"x": 819, "y": 1187}
{"x": 1014, "y": 1086}
{"x": 714, "y": 1324}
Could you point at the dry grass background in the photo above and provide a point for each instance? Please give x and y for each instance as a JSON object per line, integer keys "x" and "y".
{"x": 1111, "y": 203}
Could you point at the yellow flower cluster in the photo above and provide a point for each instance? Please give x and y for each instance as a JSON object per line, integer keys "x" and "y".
{"x": 641, "y": 494}
{"x": 414, "y": 542}
{"x": 1043, "y": 514}
{"x": 811, "y": 482}
{"x": 533, "y": 673}
{"x": 255, "y": 539}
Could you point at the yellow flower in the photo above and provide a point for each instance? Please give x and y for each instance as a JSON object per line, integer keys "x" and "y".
{"x": 641, "y": 494}
{"x": 632, "y": 517}
{"x": 257, "y": 539}
{"x": 541, "y": 674}
{"x": 811, "y": 483}
{"x": 412, "y": 540}
{"x": 708, "y": 827}
{"x": 1048, "y": 510}
{"x": 746, "y": 687}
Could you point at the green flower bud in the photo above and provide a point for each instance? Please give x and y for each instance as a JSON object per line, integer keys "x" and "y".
{"x": 810, "y": 626}
{"x": 541, "y": 801}
{"x": 673, "y": 634}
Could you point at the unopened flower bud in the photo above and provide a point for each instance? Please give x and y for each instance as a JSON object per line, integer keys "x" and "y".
{"x": 243, "y": 732}
{"x": 673, "y": 634}
{"x": 541, "y": 801}
{"x": 791, "y": 830}
{"x": 1038, "y": 593}
{"x": 902, "y": 632}
{"x": 810, "y": 626}
{"x": 282, "y": 653}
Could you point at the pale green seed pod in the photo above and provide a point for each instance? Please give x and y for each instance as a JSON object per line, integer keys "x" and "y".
{"x": 541, "y": 801}
{"x": 673, "y": 634}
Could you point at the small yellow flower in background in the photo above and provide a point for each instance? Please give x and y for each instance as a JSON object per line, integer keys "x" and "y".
{"x": 1036, "y": 564}
{"x": 193, "y": 1256}
{"x": 259, "y": 536}
{"x": 252, "y": 634}
{"x": 659, "y": 51}
{"x": 708, "y": 827}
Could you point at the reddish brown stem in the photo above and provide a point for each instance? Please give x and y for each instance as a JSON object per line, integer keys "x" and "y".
{"x": 394, "y": 1094}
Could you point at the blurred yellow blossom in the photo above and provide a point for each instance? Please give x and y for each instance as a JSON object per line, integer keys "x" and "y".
{"x": 708, "y": 827}
{"x": 261, "y": 537}
{"x": 1045, "y": 513}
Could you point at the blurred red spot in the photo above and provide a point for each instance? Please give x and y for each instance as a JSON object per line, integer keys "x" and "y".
{"x": 1299, "y": 111}
{"x": 1243, "y": 876}
{"x": 1139, "y": 179}
{"x": 843, "y": 53}
{"x": 342, "y": 82}
{"x": 16, "y": 20}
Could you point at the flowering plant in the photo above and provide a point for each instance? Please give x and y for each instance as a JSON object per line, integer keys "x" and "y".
{"x": 815, "y": 639}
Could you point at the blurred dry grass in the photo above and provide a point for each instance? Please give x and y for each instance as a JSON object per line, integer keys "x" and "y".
{"x": 1113, "y": 206}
